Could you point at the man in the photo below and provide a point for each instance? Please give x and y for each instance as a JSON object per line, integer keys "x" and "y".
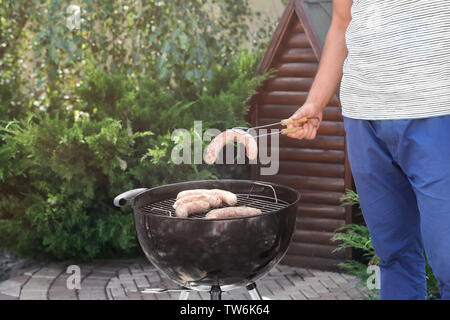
{"x": 393, "y": 57}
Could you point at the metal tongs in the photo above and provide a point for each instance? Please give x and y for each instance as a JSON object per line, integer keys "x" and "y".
{"x": 284, "y": 122}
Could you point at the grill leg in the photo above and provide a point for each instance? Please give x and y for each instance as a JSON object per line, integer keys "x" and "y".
{"x": 215, "y": 293}
{"x": 253, "y": 292}
{"x": 184, "y": 295}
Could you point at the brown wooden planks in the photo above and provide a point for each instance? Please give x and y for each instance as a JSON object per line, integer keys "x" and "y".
{"x": 332, "y": 113}
{"x": 297, "y": 27}
{"x": 331, "y": 128}
{"x": 306, "y": 22}
{"x": 310, "y": 183}
{"x": 315, "y": 250}
{"x": 312, "y": 169}
{"x": 290, "y": 98}
{"x": 278, "y": 37}
{"x": 297, "y": 69}
{"x": 317, "y": 168}
{"x": 284, "y": 111}
{"x": 311, "y": 236}
{"x": 284, "y": 97}
{"x": 321, "y": 197}
{"x": 320, "y": 142}
{"x": 321, "y": 211}
{"x": 297, "y": 40}
{"x": 318, "y": 156}
{"x": 297, "y": 55}
{"x": 289, "y": 84}
{"x": 319, "y": 224}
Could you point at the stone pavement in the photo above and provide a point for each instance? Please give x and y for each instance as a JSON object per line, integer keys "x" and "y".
{"x": 124, "y": 279}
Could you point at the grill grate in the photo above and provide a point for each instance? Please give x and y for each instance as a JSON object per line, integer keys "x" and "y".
{"x": 264, "y": 203}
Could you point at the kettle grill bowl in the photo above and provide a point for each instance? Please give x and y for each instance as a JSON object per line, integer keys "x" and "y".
{"x": 227, "y": 252}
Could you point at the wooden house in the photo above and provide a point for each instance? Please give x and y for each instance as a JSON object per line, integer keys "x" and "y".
{"x": 317, "y": 168}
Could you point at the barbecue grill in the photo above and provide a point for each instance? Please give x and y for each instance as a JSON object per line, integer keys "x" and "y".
{"x": 219, "y": 254}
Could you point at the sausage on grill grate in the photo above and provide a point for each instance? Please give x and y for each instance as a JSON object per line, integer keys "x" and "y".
{"x": 227, "y": 197}
{"x": 232, "y": 212}
{"x": 214, "y": 201}
{"x": 188, "y": 208}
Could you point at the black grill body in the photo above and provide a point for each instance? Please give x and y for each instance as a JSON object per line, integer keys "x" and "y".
{"x": 200, "y": 253}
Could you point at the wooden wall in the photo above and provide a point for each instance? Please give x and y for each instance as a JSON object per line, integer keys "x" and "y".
{"x": 318, "y": 168}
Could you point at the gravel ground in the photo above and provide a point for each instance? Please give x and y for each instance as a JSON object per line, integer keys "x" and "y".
{"x": 10, "y": 265}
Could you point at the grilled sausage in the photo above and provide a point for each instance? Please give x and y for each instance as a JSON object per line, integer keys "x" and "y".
{"x": 221, "y": 140}
{"x": 186, "y": 209}
{"x": 213, "y": 200}
{"x": 232, "y": 212}
{"x": 227, "y": 197}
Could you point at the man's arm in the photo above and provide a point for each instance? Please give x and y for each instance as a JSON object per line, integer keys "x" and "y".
{"x": 330, "y": 71}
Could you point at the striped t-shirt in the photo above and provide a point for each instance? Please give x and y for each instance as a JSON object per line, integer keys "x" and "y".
{"x": 398, "y": 64}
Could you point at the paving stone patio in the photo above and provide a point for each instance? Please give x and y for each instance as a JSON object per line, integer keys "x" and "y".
{"x": 124, "y": 280}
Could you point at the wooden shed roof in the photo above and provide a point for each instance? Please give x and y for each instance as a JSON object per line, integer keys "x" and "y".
{"x": 320, "y": 13}
{"x": 315, "y": 15}
{"x": 317, "y": 168}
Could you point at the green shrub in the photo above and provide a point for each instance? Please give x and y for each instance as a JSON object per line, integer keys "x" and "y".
{"x": 59, "y": 171}
{"x": 86, "y": 114}
{"x": 357, "y": 237}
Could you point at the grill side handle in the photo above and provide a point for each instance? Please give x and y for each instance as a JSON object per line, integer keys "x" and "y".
{"x": 125, "y": 198}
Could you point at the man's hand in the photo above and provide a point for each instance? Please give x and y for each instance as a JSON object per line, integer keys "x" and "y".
{"x": 309, "y": 130}
{"x": 329, "y": 74}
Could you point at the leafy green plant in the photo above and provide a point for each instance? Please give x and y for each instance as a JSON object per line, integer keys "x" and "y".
{"x": 357, "y": 237}
{"x": 175, "y": 42}
{"x": 350, "y": 198}
{"x": 88, "y": 113}
{"x": 60, "y": 171}
{"x": 13, "y": 19}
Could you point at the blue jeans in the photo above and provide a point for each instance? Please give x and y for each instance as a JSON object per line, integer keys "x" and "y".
{"x": 401, "y": 170}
